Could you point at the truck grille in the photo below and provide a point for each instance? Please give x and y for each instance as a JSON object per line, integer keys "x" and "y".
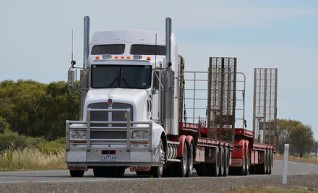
{"x": 104, "y": 116}
{"x": 116, "y": 116}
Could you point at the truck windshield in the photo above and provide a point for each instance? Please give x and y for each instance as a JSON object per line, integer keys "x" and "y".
{"x": 123, "y": 76}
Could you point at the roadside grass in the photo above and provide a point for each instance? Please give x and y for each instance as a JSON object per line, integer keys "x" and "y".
{"x": 19, "y": 152}
{"x": 51, "y": 155}
{"x": 306, "y": 159}
{"x": 271, "y": 189}
{"x": 31, "y": 159}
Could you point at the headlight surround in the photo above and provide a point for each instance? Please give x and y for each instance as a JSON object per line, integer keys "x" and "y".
{"x": 140, "y": 134}
{"x": 78, "y": 134}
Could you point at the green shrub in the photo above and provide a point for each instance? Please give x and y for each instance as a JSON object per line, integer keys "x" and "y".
{"x": 20, "y": 152}
{"x": 51, "y": 147}
{"x": 4, "y": 126}
{"x": 11, "y": 140}
{"x": 33, "y": 142}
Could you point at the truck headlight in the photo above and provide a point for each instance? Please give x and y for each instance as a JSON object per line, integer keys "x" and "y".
{"x": 145, "y": 135}
{"x": 140, "y": 135}
{"x": 78, "y": 134}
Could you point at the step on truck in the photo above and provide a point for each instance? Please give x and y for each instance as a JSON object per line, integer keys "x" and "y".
{"x": 141, "y": 110}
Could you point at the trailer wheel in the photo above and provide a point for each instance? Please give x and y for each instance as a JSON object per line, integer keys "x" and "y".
{"x": 247, "y": 162}
{"x": 266, "y": 162}
{"x": 262, "y": 168}
{"x": 157, "y": 171}
{"x": 216, "y": 164}
{"x": 221, "y": 167}
{"x": 76, "y": 173}
{"x": 226, "y": 161}
{"x": 190, "y": 161}
{"x": 270, "y": 162}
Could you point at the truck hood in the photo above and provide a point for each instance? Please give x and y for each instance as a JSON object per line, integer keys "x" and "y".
{"x": 135, "y": 97}
{"x": 131, "y": 96}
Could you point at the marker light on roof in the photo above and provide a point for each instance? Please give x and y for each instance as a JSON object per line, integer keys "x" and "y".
{"x": 148, "y": 58}
{"x": 97, "y": 57}
{"x": 128, "y": 57}
{"x": 116, "y": 57}
{"x": 122, "y": 57}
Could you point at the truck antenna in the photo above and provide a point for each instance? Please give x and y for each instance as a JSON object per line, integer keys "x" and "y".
{"x": 73, "y": 62}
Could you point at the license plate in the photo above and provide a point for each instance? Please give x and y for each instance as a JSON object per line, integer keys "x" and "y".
{"x": 109, "y": 157}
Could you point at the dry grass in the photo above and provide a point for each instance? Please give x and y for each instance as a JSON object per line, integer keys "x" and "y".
{"x": 306, "y": 159}
{"x": 270, "y": 189}
{"x": 31, "y": 159}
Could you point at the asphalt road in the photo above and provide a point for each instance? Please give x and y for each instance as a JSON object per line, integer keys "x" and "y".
{"x": 50, "y": 176}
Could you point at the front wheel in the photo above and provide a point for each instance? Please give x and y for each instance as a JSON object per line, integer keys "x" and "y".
{"x": 157, "y": 171}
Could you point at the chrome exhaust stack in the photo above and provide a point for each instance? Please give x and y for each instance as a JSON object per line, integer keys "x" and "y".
{"x": 170, "y": 119}
{"x": 84, "y": 75}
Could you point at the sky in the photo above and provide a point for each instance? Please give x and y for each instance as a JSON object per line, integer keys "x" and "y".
{"x": 36, "y": 40}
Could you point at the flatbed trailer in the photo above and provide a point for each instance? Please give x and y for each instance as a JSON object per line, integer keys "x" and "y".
{"x": 254, "y": 150}
{"x": 207, "y": 115}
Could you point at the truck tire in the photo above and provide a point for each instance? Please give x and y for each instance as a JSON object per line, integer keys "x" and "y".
{"x": 76, "y": 173}
{"x": 157, "y": 171}
{"x": 215, "y": 166}
{"x": 182, "y": 166}
{"x": 221, "y": 166}
{"x": 247, "y": 163}
{"x": 243, "y": 167}
{"x": 268, "y": 168}
{"x": 266, "y": 162}
{"x": 270, "y": 162}
{"x": 242, "y": 170}
{"x": 190, "y": 160}
{"x": 226, "y": 161}
{"x": 262, "y": 168}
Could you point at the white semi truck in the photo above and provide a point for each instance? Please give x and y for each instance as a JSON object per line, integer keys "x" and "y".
{"x": 134, "y": 114}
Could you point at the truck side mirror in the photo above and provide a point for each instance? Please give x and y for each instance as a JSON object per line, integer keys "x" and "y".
{"x": 71, "y": 77}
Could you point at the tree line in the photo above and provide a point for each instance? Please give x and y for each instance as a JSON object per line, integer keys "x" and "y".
{"x": 35, "y": 109}
{"x": 298, "y": 135}
{"x": 39, "y": 110}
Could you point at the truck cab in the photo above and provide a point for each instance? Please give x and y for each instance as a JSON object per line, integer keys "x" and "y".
{"x": 123, "y": 120}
